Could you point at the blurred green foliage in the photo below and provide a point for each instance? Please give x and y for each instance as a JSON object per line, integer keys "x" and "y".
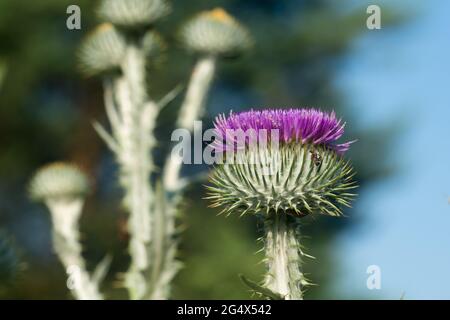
{"x": 46, "y": 108}
{"x": 9, "y": 262}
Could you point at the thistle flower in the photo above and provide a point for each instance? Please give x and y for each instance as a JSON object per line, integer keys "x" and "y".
{"x": 281, "y": 165}
{"x": 215, "y": 32}
{"x": 133, "y": 14}
{"x": 102, "y": 51}
{"x": 302, "y": 172}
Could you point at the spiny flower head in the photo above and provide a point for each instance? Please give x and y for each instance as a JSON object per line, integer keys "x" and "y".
{"x": 58, "y": 180}
{"x": 304, "y": 173}
{"x": 215, "y": 32}
{"x": 102, "y": 51}
{"x": 305, "y": 126}
{"x": 133, "y": 14}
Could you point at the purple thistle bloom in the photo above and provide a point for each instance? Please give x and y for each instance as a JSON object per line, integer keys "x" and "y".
{"x": 300, "y": 173}
{"x": 294, "y": 125}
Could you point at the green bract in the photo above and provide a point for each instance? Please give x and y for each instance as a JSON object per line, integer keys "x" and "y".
{"x": 297, "y": 179}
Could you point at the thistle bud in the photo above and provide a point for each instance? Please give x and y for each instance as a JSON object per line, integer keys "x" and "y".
{"x": 133, "y": 14}
{"x": 62, "y": 187}
{"x": 153, "y": 44}
{"x": 58, "y": 180}
{"x": 102, "y": 51}
{"x": 299, "y": 171}
{"x": 215, "y": 32}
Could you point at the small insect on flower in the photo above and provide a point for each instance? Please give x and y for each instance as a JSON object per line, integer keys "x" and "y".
{"x": 316, "y": 159}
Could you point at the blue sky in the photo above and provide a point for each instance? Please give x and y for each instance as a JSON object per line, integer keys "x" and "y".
{"x": 404, "y": 74}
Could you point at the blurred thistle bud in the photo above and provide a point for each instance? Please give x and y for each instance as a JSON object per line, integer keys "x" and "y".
{"x": 102, "y": 51}
{"x": 153, "y": 44}
{"x": 133, "y": 14}
{"x": 281, "y": 161}
{"x": 59, "y": 180}
{"x": 215, "y": 32}
{"x": 62, "y": 187}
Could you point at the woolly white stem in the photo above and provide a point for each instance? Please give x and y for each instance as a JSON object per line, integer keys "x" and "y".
{"x": 191, "y": 110}
{"x": 151, "y": 225}
{"x": 152, "y": 213}
{"x": 65, "y": 214}
{"x": 164, "y": 246}
{"x": 165, "y": 266}
{"x": 137, "y": 120}
{"x": 199, "y": 84}
{"x": 283, "y": 257}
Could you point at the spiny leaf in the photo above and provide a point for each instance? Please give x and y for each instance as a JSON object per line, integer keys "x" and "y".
{"x": 260, "y": 289}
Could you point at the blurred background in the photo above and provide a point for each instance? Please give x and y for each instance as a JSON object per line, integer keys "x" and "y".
{"x": 390, "y": 85}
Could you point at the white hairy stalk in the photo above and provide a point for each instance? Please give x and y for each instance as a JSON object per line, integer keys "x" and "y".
{"x": 191, "y": 110}
{"x": 283, "y": 257}
{"x": 135, "y": 143}
{"x": 65, "y": 213}
{"x": 132, "y": 116}
{"x": 164, "y": 245}
{"x": 152, "y": 206}
{"x": 169, "y": 193}
{"x": 118, "y": 50}
{"x": 151, "y": 224}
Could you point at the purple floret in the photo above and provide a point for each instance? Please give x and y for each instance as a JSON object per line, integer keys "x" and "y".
{"x": 306, "y": 126}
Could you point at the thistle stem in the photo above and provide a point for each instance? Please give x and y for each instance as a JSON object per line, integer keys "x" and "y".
{"x": 164, "y": 246}
{"x": 168, "y": 194}
{"x": 283, "y": 257}
{"x": 199, "y": 85}
{"x": 137, "y": 119}
{"x": 192, "y": 109}
{"x": 65, "y": 214}
{"x": 152, "y": 221}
